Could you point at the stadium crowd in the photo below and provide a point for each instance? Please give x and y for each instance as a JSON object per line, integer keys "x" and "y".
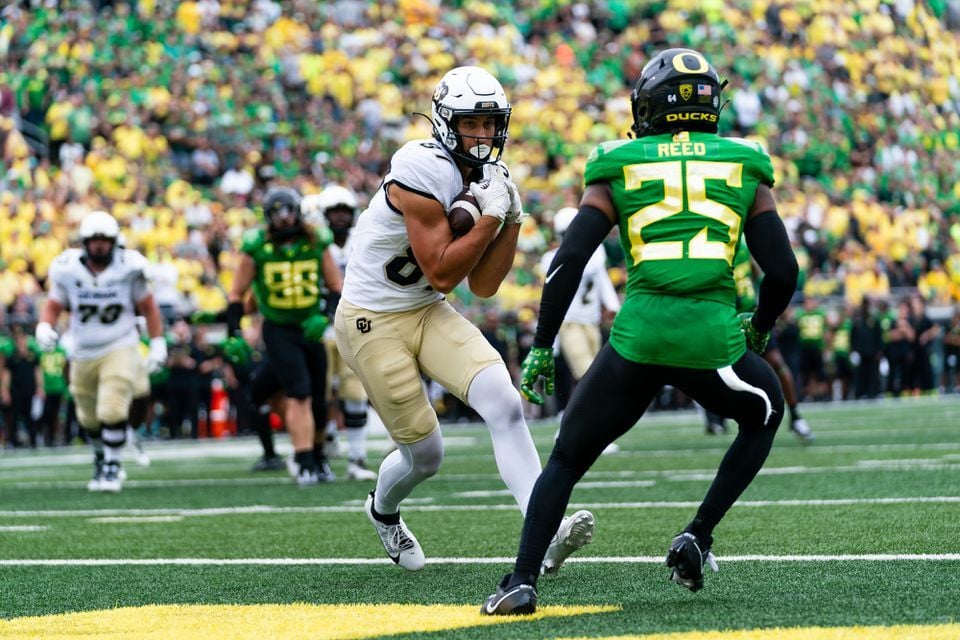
{"x": 175, "y": 118}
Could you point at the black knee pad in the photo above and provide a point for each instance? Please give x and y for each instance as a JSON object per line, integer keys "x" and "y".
{"x": 114, "y": 434}
{"x": 353, "y": 420}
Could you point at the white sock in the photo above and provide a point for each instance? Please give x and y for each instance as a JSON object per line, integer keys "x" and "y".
{"x": 404, "y": 469}
{"x": 356, "y": 443}
{"x": 494, "y": 397}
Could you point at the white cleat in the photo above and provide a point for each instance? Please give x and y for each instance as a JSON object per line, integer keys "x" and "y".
{"x": 357, "y": 470}
{"x": 574, "y": 532}
{"x": 401, "y": 545}
{"x": 802, "y": 429}
{"x": 143, "y": 459}
{"x": 113, "y": 477}
{"x": 611, "y": 449}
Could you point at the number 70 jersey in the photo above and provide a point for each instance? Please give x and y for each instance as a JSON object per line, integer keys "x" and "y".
{"x": 682, "y": 201}
{"x": 102, "y": 306}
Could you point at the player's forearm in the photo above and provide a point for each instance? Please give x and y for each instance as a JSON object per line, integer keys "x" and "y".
{"x": 770, "y": 247}
{"x": 149, "y": 309}
{"x": 447, "y": 267}
{"x": 495, "y": 263}
{"x": 50, "y": 312}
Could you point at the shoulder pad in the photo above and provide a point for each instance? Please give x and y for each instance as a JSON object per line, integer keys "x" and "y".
{"x": 251, "y": 240}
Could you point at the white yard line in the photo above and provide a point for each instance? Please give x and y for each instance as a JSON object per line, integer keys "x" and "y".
{"x": 357, "y": 507}
{"x": 104, "y": 562}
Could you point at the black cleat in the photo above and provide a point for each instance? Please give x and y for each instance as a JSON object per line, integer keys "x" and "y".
{"x": 518, "y": 600}
{"x": 686, "y": 558}
{"x": 273, "y": 463}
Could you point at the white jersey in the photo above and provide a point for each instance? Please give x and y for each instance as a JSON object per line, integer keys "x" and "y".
{"x": 383, "y": 274}
{"x": 102, "y": 306}
{"x": 340, "y": 254}
{"x": 595, "y": 290}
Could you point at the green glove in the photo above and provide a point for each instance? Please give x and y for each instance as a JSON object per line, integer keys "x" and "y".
{"x": 203, "y": 317}
{"x": 315, "y": 326}
{"x": 237, "y": 351}
{"x": 756, "y": 340}
{"x": 537, "y": 364}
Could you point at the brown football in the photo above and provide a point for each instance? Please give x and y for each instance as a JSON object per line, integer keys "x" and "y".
{"x": 464, "y": 213}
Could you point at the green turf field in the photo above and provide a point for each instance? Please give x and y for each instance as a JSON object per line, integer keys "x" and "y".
{"x": 861, "y": 528}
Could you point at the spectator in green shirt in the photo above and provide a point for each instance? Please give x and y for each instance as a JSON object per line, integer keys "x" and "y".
{"x": 53, "y": 366}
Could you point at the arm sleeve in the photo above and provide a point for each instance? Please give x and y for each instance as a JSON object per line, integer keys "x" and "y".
{"x": 770, "y": 247}
{"x": 586, "y": 232}
{"x": 234, "y": 316}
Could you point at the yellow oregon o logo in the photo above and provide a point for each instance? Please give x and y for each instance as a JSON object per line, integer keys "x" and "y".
{"x": 681, "y": 65}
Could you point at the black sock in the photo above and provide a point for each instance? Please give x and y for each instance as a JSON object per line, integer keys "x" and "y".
{"x": 385, "y": 518}
{"x": 737, "y": 470}
{"x": 305, "y": 459}
{"x": 794, "y": 412}
{"x": 513, "y": 579}
{"x": 265, "y": 433}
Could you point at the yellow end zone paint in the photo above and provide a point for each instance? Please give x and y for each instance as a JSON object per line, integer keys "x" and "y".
{"x": 257, "y": 622}
{"x": 896, "y": 632}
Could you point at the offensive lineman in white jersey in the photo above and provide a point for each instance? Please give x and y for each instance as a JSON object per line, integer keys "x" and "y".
{"x": 393, "y": 323}
{"x": 104, "y": 288}
{"x": 336, "y": 207}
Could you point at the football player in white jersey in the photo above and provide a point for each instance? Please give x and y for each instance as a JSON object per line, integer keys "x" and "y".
{"x": 393, "y": 323}
{"x": 579, "y": 338}
{"x": 578, "y": 342}
{"x": 104, "y": 288}
{"x": 336, "y": 207}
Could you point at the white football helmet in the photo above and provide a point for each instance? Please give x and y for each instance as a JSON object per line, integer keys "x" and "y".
{"x": 337, "y": 197}
{"x": 562, "y": 219}
{"x": 469, "y": 91}
{"x": 99, "y": 224}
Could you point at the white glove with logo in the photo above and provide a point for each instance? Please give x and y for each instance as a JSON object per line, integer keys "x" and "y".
{"x": 47, "y": 336}
{"x": 492, "y": 192}
{"x": 158, "y": 354}
{"x": 516, "y": 214}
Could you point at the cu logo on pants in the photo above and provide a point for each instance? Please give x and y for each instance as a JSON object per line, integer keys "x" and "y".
{"x": 363, "y": 325}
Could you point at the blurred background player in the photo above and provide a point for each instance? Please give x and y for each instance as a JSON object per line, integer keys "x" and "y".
{"x": 104, "y": 288}
{"x": 336, "y": 206}
{"x": 140, "y": 405}
{"x": 288, "y": 267}
{"x": 580, "y": 339}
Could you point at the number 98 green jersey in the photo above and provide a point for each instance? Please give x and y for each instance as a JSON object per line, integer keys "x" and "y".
{"x": 288, "y": 284}
{"x": 682, "y": 201}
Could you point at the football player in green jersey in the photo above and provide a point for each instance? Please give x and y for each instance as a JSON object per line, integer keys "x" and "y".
{"x": 288, "y": 267}
{"x": 682, "y": 196}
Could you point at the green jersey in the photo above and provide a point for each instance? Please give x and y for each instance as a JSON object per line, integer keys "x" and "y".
{"x": 288, "y": 284}
{"x": 813, "y": 328}
{"x": 682, "y": 201}
{"x": 53, "y": 364}
{"x": 841, "y": 339}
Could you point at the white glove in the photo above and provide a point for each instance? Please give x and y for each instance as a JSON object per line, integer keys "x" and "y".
{"x": 492, "y": 193}
{"x": 515, "y": 215}
{"x": 158, "y": 354}
{"x": 47, "y": 336}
